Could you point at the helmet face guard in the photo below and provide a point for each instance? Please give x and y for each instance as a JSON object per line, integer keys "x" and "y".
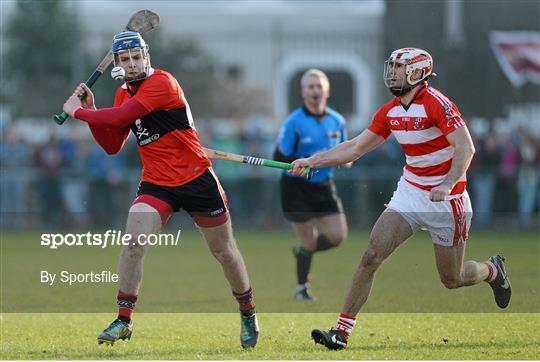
{"x": 397, "y": 86}
{"x": 412, "y": 59}
{"x": 130, "y": 42}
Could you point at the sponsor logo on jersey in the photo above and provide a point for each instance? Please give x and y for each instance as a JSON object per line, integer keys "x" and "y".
{"x": 143, "y": 136}
{"x": 452, "y": 123}
{"x": 406, "y": 120}
{"x": 151, "y": 139}
{"x": 141, "y": 132}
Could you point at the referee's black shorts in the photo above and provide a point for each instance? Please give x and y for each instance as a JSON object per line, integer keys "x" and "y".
{"x": 302, "y": 200}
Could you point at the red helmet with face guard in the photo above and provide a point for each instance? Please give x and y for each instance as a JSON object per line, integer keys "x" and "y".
{"x": 412, "y": 59}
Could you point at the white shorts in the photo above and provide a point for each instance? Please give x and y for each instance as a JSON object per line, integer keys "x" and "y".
{"x": 447, "y": 221}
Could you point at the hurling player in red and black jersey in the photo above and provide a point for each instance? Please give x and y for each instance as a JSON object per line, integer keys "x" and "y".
{"x": 176, "y": 175}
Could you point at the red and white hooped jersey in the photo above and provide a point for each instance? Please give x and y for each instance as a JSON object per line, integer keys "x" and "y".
{"x": 421, "y": 130}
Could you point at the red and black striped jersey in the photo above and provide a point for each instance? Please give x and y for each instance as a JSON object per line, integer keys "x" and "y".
{"x": 167, "y": 141}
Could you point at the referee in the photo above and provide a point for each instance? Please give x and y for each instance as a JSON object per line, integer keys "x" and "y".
{"x": 312, "y": 206}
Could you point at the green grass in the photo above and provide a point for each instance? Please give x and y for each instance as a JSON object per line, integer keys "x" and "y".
{"x": 408, "y": 316}
{"x": 187, "y": 279}
{"x": 283, "y": 336}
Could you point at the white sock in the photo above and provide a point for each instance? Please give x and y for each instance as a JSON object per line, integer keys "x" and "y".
{"x": 301, "y": 287}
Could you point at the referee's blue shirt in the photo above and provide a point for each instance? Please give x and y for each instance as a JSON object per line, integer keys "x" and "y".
{"x": 304, "y": 134}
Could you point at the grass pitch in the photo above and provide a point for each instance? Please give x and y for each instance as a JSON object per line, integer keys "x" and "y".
{"x": 410, "y": 315}
{"x": 283, "y": 336}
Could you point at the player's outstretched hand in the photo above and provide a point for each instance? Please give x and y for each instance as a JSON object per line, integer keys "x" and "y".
{"x": 300, "y": 167}
{"x": 439, "y": 193}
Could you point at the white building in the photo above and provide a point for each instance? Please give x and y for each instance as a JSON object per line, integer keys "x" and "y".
{"x": 268, "y": 42}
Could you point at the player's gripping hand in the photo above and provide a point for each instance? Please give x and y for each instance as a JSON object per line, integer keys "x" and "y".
{"x": 440, "y": 193}
{"x": 300, "y": 167}
{"x": 72, "y": 104}
{"x": 75, "y": 102}
{"x": 88, "y": 100}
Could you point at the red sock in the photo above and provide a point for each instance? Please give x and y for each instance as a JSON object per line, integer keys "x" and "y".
{"x": 492, "y": 272}
{"x": 126, "y": 304}
{"x": 345, "y": 324}
{"x": 245, "y": 300}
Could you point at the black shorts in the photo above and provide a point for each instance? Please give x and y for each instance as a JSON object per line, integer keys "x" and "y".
{"x": 203, "y": 198}
{"x": 302, "y": 200}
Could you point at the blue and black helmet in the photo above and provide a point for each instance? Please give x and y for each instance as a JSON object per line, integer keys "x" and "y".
{"x": 128, "y": 40}
{"x": 125, "y": 41}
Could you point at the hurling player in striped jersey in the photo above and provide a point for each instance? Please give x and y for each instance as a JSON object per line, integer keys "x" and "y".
{"x": 431, "y": 195}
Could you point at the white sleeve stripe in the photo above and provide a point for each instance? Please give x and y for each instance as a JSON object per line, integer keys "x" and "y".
{"x": 441, "y": 98}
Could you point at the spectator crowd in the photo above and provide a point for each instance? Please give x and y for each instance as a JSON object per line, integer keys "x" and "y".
{"x": 68, "y": 180}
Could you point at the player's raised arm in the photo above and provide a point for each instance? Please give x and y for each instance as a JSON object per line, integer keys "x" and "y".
{"x": 114, "y": 117}
{"x": 345, "y": 152}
